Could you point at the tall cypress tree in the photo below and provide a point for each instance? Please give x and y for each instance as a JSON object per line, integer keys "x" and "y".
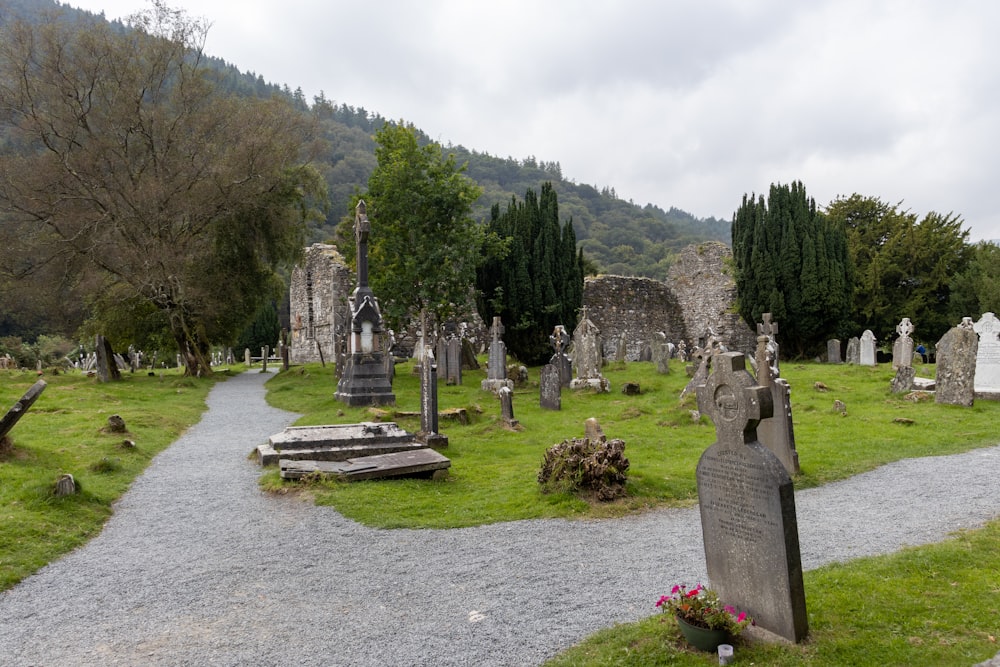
{"x": 540, "y": 283}
{"x": 792, "y": 262}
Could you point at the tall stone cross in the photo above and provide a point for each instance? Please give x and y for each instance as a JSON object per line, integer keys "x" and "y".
{"x": 362, "y": 228}
{"x": 496, "y": 331}
{"x": 768, "y": 328}
{"x": 747, "y": 506}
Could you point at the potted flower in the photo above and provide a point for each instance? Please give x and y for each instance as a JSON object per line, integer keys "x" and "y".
{"x": 704, "y": 621}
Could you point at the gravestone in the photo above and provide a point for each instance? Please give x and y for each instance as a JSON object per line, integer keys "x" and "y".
{"x": 956, "y": 365}
{"x": 588, "y": 357}
{"x": 506, "y": 396}
{"x": 107, "y": 368}
{"x": 769, "y": 328}
{"x": 988, "y": 356}
{"x": 833, "y": 351}
{"x": 682, "y": 351}
{"x": 866, "y": 352}
{"x": 246, "y": 357}
{"x": 902, "y": 381}
{"x": 776, "y": 432}
{"x": 550, "y": 388}
{"x": 429, "y": 434}
{"x": 441, "y": 355}
{"x": 621, "y": 349}
{"x": 660, "y": 349}
{"x": 20, "y": 407}
{"x": 265, "y": 352}
{"x": 364, "y": 380}
{"x": 560, "y": 339}
{"x": 496, "y": 364}
{"x": 854, "y": 350}
{"x": 902, "y": 347}
{"x": 747, "y": 505}
{"x": 454, "y": 352}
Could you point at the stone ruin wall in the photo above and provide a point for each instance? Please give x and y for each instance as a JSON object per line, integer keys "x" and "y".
{"x": 318, "y": 303}
{"x": 702, "y": 280}
{"x": 698, "y": 293}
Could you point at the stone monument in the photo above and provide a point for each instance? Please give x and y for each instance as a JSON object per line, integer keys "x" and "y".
{"x": 769, "y": 328}
{"x": 902, "y": 347}
{"x": 506, "y": 396}
{"x": 660, "y": 349}
{"x": 866, "y": 351}
{"x": 776, "y": 431}
{"x": 854, "y": 350}
{"x": 988, "y": 357}
{"x": 747, "y": 506}
{"x": 496, "y": 365}
{"x": 560, "y": 339}
{"x": 453, "y": 348}
{"x": 588, "y": 356}
{"x": 364, "y": 380}
{"x": 956, "y": 365}
{"x": 429, "y": 434}
{"x": 550, "y": 388}
{"x": 833, "y": 351}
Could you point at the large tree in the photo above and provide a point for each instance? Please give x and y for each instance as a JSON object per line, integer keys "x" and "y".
{"x": 977, "y": 289}
{"x": 120, "y": 149}
{"x": 424, "y": 246}
{"x": 904, "y": 266}
{"x": 791, "y": 261}
{"x": 540, "y": 283}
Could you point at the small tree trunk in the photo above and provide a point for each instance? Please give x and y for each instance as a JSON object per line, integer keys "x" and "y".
{"x": 193, "y": 350}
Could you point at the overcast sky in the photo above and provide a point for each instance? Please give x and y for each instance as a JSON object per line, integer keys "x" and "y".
{"x": 685, "y": 104}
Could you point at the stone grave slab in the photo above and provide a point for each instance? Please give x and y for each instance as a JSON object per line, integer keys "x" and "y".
{"x": 550, "y": 388}
{"x": 747, "y": 506}
{"x": 336, "y": 442}
{"x": 419, "y": 462}
{"x": 988, "y": 356}
{"x": 956, "y": 366}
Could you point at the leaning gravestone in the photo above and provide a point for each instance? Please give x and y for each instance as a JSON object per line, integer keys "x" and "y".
{"x": 18, "y": 409}
{"x": 956, "y": 365}
{"x": 550, "y": 386}
{"x": 748, "y": 506}
{"x": 988, "y": 357}
{"x": 107, "y": 368}
{"x": 867, "y": 349}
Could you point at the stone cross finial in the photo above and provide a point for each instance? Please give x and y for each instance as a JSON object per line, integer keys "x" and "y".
{"x": 497, "y": 329}
{"x": 559, "y": 338}
{"x": 362, "y": 228}
{"x": 734, "y": 401}
{"x": 905, "y": 327}
{"x": 768, "y": 328}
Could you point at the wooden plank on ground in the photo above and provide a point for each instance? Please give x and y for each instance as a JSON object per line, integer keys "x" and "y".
{"x": 413, "y": 462}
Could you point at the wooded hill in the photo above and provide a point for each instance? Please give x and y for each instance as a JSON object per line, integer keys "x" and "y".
{"x": 617, "y": 236}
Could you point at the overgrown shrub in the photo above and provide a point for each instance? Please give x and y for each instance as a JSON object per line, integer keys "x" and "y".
{"x": 590, "y": 465}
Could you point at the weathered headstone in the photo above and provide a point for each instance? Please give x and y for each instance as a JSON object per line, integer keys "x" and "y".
{"x": 454, "y": 352}
{"x": 867, "y": 356}
{"x": 246, "y": 357}
{"x": 776, "y": 432}
{"x": 20, "y": 407}
{"x": 621, "y": 349}
{"x": 902, "y": 347}
{"x": 496, "y": 362}
{"x": 854, "y": 350}
{"x": 265, "y": 352}
{"x": 506, "y": 396}
{"x": 550, "y": 388}
{"x": 769, "y": 328}
{"x": 988, "y": 356}
{"x": 902, "y": 381}
{"x": 364, "y": 380}
{"x": 682, "y": 351}
{"x": 560, "y": 339}
{"x": 588, "y": 357}
{"x": 65, "y": 485}
{"x": 747, "y": 504}
{"x": 833, "y": 351}
{"x": 956, "y": 365}
{"x": 429, "y": 434}
{"x": 661, "y": 353}
{"x": 107, "y": 369}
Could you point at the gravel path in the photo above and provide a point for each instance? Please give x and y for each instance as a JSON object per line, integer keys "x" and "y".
{"x": 198, "y": 567}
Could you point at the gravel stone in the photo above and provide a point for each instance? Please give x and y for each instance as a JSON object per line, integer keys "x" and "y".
{"x": 198, "y": 566}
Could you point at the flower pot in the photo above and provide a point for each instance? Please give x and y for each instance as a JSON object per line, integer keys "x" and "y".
{"x": 701, "y": 638}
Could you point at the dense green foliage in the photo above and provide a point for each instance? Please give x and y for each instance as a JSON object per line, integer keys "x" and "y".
{"x": 424, "y": 246}
{"x": 904, "y": 267}
{"x": 539, "y": 284}
{"x": 791, "y": 261}
{"x": 977, "y": 289}
{"x": 125, "y": 162}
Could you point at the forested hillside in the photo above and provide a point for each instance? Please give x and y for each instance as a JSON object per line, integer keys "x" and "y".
{"x": 617, "y": 236}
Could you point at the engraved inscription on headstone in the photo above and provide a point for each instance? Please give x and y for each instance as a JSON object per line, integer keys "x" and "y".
{"x": 747, "y": 506}
{"x": 988, "y": 356}
{"x": 902, "y": 347}
{"x": 833, "y": 351}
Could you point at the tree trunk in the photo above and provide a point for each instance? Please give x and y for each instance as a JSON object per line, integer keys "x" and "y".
{"x": 193, "y": 350}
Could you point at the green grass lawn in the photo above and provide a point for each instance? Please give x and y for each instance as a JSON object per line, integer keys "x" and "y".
{"x": 63, "y": 433}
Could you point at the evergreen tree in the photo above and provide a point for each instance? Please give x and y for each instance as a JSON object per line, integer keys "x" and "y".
{"x": 791, "y": 261}
{"x": 540, "y": 284}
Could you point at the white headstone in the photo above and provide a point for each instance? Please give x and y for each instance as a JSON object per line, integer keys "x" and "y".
{"x": 988, "y": 356}
{"x": 867, "y": 351}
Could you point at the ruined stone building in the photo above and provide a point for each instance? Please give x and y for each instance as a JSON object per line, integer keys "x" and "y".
{"x": 698, "y": 296}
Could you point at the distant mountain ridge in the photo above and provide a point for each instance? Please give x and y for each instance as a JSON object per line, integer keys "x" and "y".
{"x": 617, "y": 236}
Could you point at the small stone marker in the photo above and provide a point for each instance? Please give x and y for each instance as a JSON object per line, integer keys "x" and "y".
{"x": 867, "y": 355}
{"x": 902, "y": 382}
{"x": 631, "y": 389}
{"x": 550, "y": 387}
{"x": 988, "y": 356}
{"x": 65, "y": 485}
{"x": 854, "y": 350}
{"x": 246, "y": 357}
{"x": 506, "y": 396}
{"x": 20, "y": 407}
{"x": 833, "y": 351}
{"x": 116, "y": 424}
{"x": 956, "y": 365}
{"x": 747, "y": 506}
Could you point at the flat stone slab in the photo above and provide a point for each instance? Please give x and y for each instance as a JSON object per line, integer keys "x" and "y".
{"x": 424, "y": 461}
{"x": 336, "y": 442}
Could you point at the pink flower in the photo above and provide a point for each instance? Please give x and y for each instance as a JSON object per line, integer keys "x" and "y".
{"x": 673, "y": 591}
{"x": 730, "y": 609}
{"x": 693, "y": 592}
{"x": 742, "y": 617}
{"x": 662, "y": 601}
